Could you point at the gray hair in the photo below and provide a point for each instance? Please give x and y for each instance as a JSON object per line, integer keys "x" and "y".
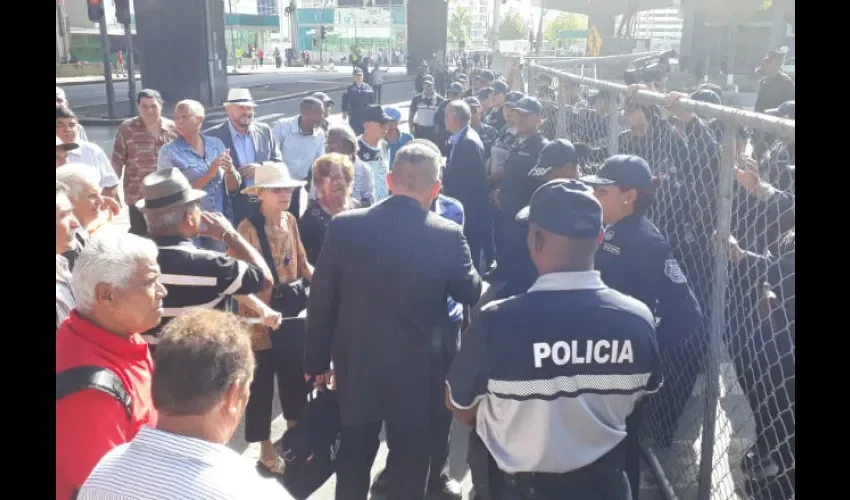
{"x": 459, "y": 110}
{"x": 195, "y": 108}
{"x": 416, "y": 168}
{"x": 111, "y": 256}
{"x": 61, "y": 189}
{"x": 77, "y": 177}
{"x": 60, "y": 94}
{"x": 168, "y": 220}
{"x": 201, "y": 355}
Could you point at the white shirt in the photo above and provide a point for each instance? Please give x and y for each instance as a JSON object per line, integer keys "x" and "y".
{"x": 298, "y": 150}
{"x": 90, "y": 154}
{"x": 158, "y": 465}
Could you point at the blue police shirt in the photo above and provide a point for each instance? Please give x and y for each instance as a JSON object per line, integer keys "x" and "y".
{"x": 555, "y": 372}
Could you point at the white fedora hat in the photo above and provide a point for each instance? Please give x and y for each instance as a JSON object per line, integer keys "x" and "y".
{"x": 241, "y": 97}
{"x": 272, "y": 175}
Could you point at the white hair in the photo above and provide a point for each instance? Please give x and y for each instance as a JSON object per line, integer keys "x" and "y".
{"x": 77, "y": 177}
{"x": 111, "y": 256}
{"x": 196, "y": 108}
{"x": 459, "y": 110}
{"x": 167, "y": 221}
{"x": 60, "y": 94}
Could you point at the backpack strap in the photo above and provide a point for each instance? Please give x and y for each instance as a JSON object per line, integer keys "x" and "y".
{"x": 99, "y": 378}
{"x": 259, "y": 223}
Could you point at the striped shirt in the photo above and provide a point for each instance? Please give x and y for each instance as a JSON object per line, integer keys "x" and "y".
{"x": 197, "y": 278}
{"x": 158, "y": 465}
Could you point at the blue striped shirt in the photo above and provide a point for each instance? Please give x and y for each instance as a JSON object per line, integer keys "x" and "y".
{"x": 159, "y": 465}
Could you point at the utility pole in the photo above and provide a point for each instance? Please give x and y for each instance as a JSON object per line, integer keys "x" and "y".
{"x": 232, "y": 33}
{"x": 494, "y": 31}
{"x": 539, "y": 46}
{"x": 107, "y": 67}
{"x": 131, "y": 70}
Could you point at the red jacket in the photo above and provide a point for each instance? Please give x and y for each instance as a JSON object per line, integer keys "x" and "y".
{"x": 89, "y": 423}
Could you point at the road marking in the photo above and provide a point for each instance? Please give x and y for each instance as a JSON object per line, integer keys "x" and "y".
{"x": 272, "y": 116}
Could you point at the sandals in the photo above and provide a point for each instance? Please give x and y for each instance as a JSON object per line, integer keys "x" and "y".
{"x": 276, "y": 466}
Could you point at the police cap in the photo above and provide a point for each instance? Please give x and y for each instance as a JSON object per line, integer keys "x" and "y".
{"x": 566, "y": 208}
{"x": 555, "y": 154}
{"x": 455, "y": 88}
{"x": 529, "y": 105}
{"x": 358, "y": 71}
{"x": 500, "y": 87}
{"x": 624, "y": 170}
{"x": 512, "y": 98}
{"x": 473, "y": 102}
{"x": 785, "y": 110}
{"x": 427, "y": 79}
{"x": 706, "y": 95}
{"x": 484, "y": 92}
{"x": 486, "y": 76}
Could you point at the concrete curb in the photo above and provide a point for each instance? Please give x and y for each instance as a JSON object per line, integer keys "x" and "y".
{"x": 84, "y": 120}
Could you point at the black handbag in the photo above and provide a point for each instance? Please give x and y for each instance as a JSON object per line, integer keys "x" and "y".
{"x": 310, "y": 448}
{"x": 289, "y": 299}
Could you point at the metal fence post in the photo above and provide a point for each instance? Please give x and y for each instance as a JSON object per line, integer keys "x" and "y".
{"x": 614, "y": 126}
{"x": 717, "y": 324}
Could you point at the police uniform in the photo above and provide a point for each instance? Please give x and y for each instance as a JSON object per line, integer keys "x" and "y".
{"x": 194, "y": 278}
{"x": 423, "y": 112}
{"x": 516, "y": 189}
{"x": 570, "y": 346}
{"x": 355, "y": 100}
{"x": 495, "y": 118}
{"x": 636, "y": 259}
{"x": 487, "y": 133}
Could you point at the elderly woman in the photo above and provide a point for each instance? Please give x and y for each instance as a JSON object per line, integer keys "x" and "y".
{"x": 333, "y": 177}
{"x": 92, "y": 209}
{"x": 277, "y": 230}
{"x": 341, "y": 139}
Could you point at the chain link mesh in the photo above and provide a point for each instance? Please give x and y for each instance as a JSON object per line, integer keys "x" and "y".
{"x": 729, "y": 217}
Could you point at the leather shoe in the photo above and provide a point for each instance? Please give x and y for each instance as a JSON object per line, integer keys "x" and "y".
{"x": 445, "y": 488}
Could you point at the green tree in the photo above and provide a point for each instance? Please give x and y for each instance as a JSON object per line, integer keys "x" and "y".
{"x": 459, "y": 25}
{"x": 513, "y": 26}
{"x": 564, "y": 21}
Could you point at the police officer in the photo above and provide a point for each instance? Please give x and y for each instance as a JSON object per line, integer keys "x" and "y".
{"x": 514, "y": 266}
{"x": 356, "y": 98}
{"x": 569, "y": 346}
{"x": 495, "y": 118}
{"x": 487, "y": 133}
{"x": 454, "y": 92}
{"x": 558, "y": 160}
{"x": 423, "y": 111}
{"x": 636, "y": 259}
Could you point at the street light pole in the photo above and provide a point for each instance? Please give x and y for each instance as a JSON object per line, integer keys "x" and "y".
{"x": 232, "y": 33}
{"x": 107, "y": 67}
{"x": 131, "y": 70}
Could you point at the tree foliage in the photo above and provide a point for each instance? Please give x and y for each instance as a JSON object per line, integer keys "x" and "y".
{"x": 459, "y": 24}
{"x": 513, "y": 26}
{"x": 564, "y": 21}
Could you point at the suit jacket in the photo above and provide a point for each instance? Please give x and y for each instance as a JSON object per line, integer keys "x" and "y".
{"x": 378, "y": 307}
{"x": 265, "y": 149}
{"x": 465, "y": 177}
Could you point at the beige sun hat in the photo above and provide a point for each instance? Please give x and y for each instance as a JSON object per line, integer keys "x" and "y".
{"x": 272, "y": 175}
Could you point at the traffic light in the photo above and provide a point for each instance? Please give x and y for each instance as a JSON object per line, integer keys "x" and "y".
{"x": 95, "y": 10}
{"x": 122, "y": 11}
{"x": 323, "y": 32}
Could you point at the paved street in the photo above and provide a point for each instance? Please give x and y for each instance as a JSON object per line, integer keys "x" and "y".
{"x": 734, "y": 421}
{"x": 90, "y": 94}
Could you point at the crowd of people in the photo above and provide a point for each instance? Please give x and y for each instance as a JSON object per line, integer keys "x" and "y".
{"x": 550, "y": 296}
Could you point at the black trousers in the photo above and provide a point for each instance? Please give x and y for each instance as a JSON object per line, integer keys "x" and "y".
{"x": 409, "y": 446}
{"x": 632, "y": 450}
{"x": 291, "y": 391}
{"x": 428, "y": 133}
{"x": 377, "y": 93}
{"x": 611, "y": 485}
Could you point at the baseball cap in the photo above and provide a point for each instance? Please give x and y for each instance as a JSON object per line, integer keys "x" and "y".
{"x": 785, "y": 110}
{"x": 484, "y": 92}
{"x": 512, "y": 98}
{"x": 428, "y": 79}
{"x": 455, "y": 88}
{"x": 706, "y": 95}
{"x": 623, "y": 170}
{"x": 555, "y": 154}
{"x": 500, "y": 87}
{"x": 375, "y": 113}
{"x": 393, "y": 113}
{"x": 323, "y": 97}
{"x": 486, "y": 76}
{"x": 358, "y": 71}
{"x": 462, "y": 77}
{"x": 67, "y": 146}
{"x": 566, "y": 208}
{"x": 529, "y": 105}
{"x": 473, "y": 102}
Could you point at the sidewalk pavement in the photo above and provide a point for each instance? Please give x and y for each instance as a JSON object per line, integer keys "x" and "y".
{"x": 232, "y": 71}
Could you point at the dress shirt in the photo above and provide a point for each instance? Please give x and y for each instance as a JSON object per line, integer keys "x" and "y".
{"x": 299, "y": 150}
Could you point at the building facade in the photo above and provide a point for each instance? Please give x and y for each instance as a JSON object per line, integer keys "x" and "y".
{"x": 480, "y": 14}
{"x": 663, "y": 27}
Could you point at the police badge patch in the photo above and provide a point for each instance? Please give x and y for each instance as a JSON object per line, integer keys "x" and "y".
{"x": 674, "y": 272}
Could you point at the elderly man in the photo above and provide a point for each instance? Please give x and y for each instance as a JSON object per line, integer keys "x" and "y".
{"x": 205, "y": 161}
{"x": 138, "y": 141}
{"x": 301, "y": 140}
{"x": 62, "y": 149}
{"x": 91, "y": 209}
{"x": 197, "y": 278}
{"x": 465, "y": 178}
{"x": 88, "y": 153}
{"x": 204, "y": 368}
{"x": 103, "y": 366}
{"x": 250, "y": 143}
{"x": 62, "y": 100}
{"x": 66, "y": 226}
{"x": 379, "y": 305}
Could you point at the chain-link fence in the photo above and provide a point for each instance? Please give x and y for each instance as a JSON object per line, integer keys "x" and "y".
{"x": 722, "y": 427}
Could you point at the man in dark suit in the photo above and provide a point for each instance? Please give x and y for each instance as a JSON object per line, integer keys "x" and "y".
{"x": 250, "y": 145}
{"x": 465, "y": 178}
{"x": 378, "y": 310}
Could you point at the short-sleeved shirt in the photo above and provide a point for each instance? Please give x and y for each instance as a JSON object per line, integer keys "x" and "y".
{"x": 179, "y": 154}
{"x": 378, "y": 159}
{"x": 555, "y": 372}
{"x": 290, "y": 262}
{"x": 136, "y": 152}
{"x": 197, "y": 278}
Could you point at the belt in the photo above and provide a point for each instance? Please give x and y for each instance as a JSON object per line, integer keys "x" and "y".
{"x": 609, "y": 465}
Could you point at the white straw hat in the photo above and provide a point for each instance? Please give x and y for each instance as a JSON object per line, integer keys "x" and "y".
{"x": 272, "y": 175}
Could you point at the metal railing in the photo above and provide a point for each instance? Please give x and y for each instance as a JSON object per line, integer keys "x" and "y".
{"x": 723, "y": 425}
